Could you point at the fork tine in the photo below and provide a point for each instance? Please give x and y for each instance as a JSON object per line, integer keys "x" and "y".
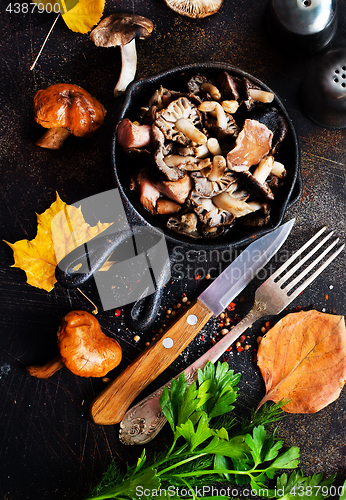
{"x": 317, "y": 272}
{"x": 296, "y": 254}
{"x": 307, "y": 257}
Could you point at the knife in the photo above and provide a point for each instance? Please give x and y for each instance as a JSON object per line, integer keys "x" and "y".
{"x": 111, "y": 405}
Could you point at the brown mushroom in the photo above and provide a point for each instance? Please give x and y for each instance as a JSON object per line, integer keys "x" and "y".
{"x": 209, "y": 213}
{"x": 66, "y": 109}
{"x": 185, "y": 224}
{"x": 195, "y": 8}
{"x": 122, "y": 30}
{"x": 84, "y": 349}
{"x": 131, "y": 135}
{"x": 252, "y": 144}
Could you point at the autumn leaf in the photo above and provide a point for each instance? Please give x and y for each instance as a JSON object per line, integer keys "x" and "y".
{"x": 60, "y": 229}
{"x": 79, "y": 15}
{"x": 83, "y": 16}
{"x": 303, "y": 359}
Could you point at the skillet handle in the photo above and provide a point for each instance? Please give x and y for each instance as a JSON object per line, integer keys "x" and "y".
{"x": 140, "y": 316}
{"x": 90, "y": 257}
{"x": 79, "y": 265}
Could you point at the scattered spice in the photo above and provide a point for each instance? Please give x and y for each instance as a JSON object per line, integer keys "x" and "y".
{"x": 326, "y": 297}
{"x": 231, "y": 306}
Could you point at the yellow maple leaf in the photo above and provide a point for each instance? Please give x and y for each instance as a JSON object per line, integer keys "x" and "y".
{"x": 84, "y": 15}
{"x": 79, "y": 15}
{"x": 60, "y": 229}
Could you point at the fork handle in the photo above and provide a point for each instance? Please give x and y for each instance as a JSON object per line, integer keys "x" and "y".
{"x": 148, "y": 410}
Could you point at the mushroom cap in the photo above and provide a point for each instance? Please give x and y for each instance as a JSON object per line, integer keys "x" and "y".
{"x": 68, "y": 106}
{"x": 85, "y": 350}
{"x": 121, "y": 29}
{"x": 195, "y": 8}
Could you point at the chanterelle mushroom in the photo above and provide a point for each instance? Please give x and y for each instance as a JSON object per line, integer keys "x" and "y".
{"x": 195, "y": 8}
{"x": 122, "y": 30}
{"x": 66, "y": 109}
{"x": 84, "y": 349}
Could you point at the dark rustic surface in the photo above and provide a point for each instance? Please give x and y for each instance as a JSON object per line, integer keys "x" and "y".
{"x": 49, "y": 448}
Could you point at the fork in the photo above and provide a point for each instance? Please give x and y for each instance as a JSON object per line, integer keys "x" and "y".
{"x": 144, "y": 421}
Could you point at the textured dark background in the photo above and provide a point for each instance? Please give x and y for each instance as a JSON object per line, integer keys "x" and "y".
{"x": 49, "y": 447}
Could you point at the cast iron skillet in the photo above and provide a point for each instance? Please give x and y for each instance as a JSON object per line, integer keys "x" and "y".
{"x": 142, "y": 314}
{"x": 137, "y": 96}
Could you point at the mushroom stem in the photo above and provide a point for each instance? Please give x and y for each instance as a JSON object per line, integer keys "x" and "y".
{"x": 128, "y": 67}
{"x": 47, "y": 370}
{"x": 53, "y": 138}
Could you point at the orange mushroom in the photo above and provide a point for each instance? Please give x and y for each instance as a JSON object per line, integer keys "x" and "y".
{"x": 66, "y": 109}
{"x": 84, "y": 349}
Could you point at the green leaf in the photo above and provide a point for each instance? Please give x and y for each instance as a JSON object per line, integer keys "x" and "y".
{"x": 235, "y": 448}
{"x": 222, "y": 388}
{"x": 343, "y": 494}
{"x": 299, "y": 487}
{"x": 140, "y": 463}
{"x": 133, "y": 488}
{"x": 172, "y": 400}
{"x": 195, "y": 437}
{"x": 288, "y": 460}
{"x": 256, "y": 442}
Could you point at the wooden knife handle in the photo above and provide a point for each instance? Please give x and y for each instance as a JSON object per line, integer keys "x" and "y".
{"x": 111, "y": 405}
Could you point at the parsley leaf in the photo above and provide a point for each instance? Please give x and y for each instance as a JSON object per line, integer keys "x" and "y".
{"x": 203, "y": 451}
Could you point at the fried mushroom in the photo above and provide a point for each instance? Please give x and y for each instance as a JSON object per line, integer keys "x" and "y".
{"x": 185, "y": 224}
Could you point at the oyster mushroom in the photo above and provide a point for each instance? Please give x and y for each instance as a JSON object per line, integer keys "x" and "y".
{"x": 209, "y": 213}
{"x": 84, "y": 349}
{"x": 218, "y": 122}
{"x": 122, "y": 30}
{"x": 252, "y": 144}
{"x": 274, "y": 121}
{"x": 255, "y": 187}
{"x": 259, "y": 217}
{"x": 229, "y": 203}
{"x": 177, "y": 191}
{"x": 130, "y": 135}
{"x": 185, "y": 113}
{"x": 209, "y": 188}
{"x": 164, "y": 207}
{"x": 163, "y": 149}
{"x": 148, "y": 193}
{"x": 66, "y": 109}
{"x": 195, "y": 8}
{"x": 229, "y": 86}
{"x": 185, "y": 224}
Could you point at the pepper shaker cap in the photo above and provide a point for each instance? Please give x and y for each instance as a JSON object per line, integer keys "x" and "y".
{"x": 302, "y": 27}
{"x": 323, "y": 90}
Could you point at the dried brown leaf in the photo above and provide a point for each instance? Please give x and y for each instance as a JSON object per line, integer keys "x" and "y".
{"x": 303, "y": 359}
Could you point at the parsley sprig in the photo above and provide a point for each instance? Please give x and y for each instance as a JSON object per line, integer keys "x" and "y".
{"x": 206, "y": 448}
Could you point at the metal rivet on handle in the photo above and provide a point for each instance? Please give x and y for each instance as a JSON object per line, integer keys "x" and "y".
{"x": 168, "y": 343}
{"x": 192, "y": 319}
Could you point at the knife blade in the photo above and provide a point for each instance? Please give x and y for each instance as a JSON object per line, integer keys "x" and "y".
{"x": 111, "y": 405}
